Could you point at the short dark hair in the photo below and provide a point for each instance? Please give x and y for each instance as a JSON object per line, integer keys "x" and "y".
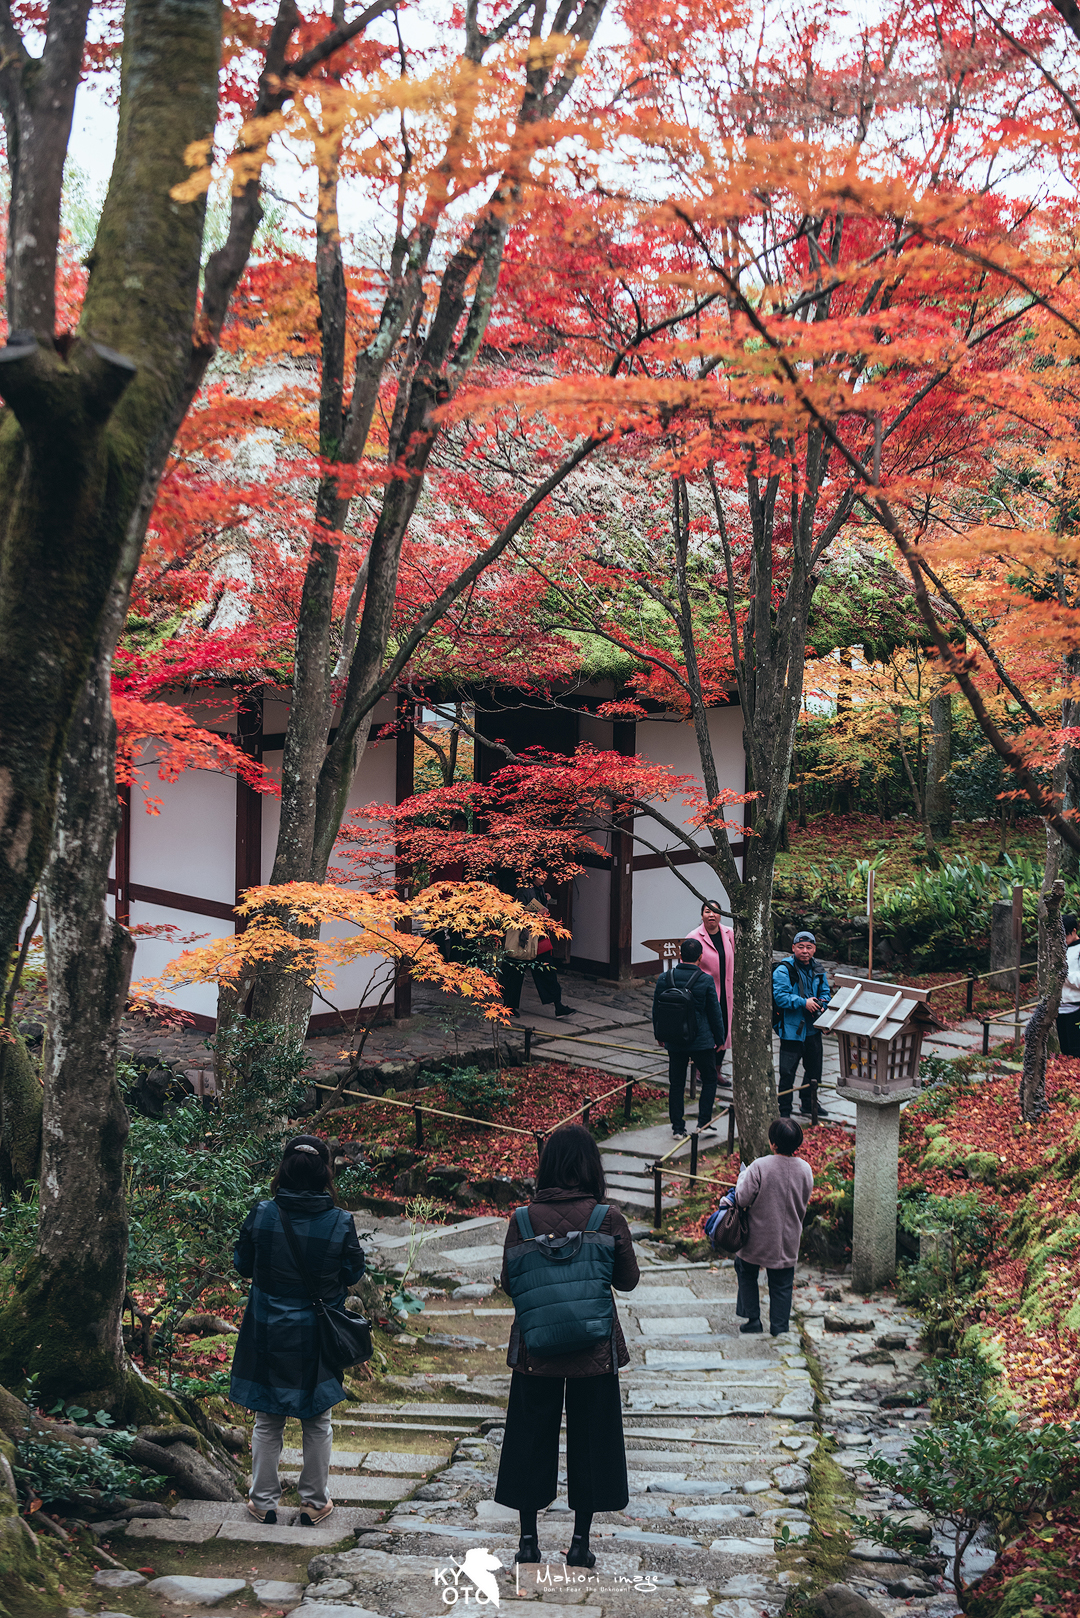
{"x": 690, "y": 949}
{"x": 786, "y": 1135}
{"x": 570, "y": 1161}
{"x": 305, "y": 1166}
{"x": 1068, "y": 921}
{"x": 712, "y": 904}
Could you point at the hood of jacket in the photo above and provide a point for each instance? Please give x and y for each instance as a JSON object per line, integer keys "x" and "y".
{"x": 304, "y": 1204}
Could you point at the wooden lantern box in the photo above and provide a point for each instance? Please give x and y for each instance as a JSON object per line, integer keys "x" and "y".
{"x": 880, "y": 1029}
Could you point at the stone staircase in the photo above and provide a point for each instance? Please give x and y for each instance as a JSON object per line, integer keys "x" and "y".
{"x": 716, "y": 1430}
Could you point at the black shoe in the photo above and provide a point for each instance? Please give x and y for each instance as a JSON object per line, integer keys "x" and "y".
{"x": 706, "y": 1129}
{"x": 678, "y": 1132}
{"x": 578, "y": 1556}
{"x": 775, "y": 1331}
{"x": 528, "y": 1549}
{"x": 564, "y": 1011}
{"x": 806, "y": 1113}
{"x": 751, "y": 1326}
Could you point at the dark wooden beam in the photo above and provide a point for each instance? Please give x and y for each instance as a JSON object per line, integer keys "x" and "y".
{"x": 122, "y": 884}
{"x": 404, "y": 767}
{"x": 624, "y": 742}
{"x": 248, "y": 858}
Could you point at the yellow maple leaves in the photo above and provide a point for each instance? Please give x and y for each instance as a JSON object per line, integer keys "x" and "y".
{"x": 284, "y": 923}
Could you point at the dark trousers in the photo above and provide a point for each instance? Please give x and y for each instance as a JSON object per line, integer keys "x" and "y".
{"x": 1068, "y": 1032}
{"x": 793, "y": 1051}
{"x": 781, "y": 1286}
{"x": 705, "y": 1062}
{"x": 595, "y": 1452}
{"x": 512, "y": 976}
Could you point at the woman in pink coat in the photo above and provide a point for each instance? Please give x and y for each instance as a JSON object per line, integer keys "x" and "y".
{"x": 718, "y": 959}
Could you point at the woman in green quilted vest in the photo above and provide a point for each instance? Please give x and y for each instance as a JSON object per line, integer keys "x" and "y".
{"x": 563, "y": 1255}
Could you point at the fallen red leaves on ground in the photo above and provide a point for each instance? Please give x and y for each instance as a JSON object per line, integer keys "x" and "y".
{"x": 544, "y": 1096}
{"x": 1033, "y": 1270}
{"x": 1045, "y": 1563}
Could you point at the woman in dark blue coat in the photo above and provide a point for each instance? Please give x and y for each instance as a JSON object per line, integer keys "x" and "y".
{"x": 277, "y": 1370}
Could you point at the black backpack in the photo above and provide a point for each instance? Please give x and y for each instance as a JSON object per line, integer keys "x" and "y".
{"x": 676, "y": 1014}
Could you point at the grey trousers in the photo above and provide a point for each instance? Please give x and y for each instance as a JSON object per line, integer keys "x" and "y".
{"x": 313, "y": 1487}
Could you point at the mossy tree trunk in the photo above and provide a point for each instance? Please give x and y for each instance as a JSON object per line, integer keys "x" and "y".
{"x": 64, "y": 1319}
{"x": 938, "y": 796}
{"x": 1051, "y": 977}
{"x": 20, "y": 1118}
{"x": 82, "y": 445}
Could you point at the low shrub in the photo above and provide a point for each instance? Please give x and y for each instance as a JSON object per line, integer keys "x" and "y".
{"x": 48, "y": 1469}
{"x": 477, "y": 1092}
{"x": 987, "y": 1472}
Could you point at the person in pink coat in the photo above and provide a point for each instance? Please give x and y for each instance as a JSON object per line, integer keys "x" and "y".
{"x": 718, "y": 959}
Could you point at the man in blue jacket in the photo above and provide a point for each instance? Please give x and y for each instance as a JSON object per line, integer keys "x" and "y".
{"x": 800, "y": 993}
{"x": 701, "y": 1039}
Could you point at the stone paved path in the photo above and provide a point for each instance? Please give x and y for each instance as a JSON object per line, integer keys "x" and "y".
{"x": 721, "y": 1431}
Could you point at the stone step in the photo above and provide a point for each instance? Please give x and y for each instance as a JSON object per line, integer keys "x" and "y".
{"x": 349, "y": 1487}
{"x": 331, "y": 1532}
{"x": 638, "y": 1201}
{"x": 407, "y": 1427}
{"x": 675, "y": 1326}
{"x": 463, "y": 1412}
{"x": 646, "y": 1296}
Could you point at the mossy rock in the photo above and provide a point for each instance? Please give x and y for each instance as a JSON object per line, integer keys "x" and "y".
{"x": 979, "y": 1339}
{"x": 942, "y": 1154}
{"x": 984, "y": 1166}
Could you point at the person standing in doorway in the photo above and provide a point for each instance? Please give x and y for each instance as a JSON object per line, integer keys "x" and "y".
{"x": 545, "y": 976}
{"x": 718, "y": 959}
{"x": 1068, "y": 1017}
{"x": 800, "y": 994}
{"x": 697, "y": 1039}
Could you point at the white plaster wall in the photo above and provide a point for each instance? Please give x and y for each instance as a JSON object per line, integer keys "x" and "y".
{"x": 662, "y": 906}
{"x": 152, "y": 955}
{"x": 190, "y": 846}
{"x": 672, "y": 742}
{"x": 374, "y": 782}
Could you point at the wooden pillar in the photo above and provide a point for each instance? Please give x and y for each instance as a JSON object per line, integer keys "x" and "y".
{"x": 405, "y": 744}
{"x": 122, "y": 909}
{"x": 623, "y": 741}
{"x": 248, "y": 860}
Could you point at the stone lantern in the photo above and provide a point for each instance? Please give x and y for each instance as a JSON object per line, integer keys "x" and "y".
{"x": 880, "y": 1029}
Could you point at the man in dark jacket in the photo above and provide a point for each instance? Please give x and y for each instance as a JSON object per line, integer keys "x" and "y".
{"x": 706, "y": 1036}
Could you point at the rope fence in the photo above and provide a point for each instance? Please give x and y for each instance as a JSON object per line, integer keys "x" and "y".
{"x": 418, "y": 1109}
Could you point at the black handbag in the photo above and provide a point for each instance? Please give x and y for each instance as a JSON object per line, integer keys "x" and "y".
{"x": 344, "y": 1339}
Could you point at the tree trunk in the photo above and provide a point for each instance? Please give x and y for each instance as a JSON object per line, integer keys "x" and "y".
{"x": 1070, "y": 719}
{"x": 753, "y": 1078}
{"x": 1033, "y": 1077}
{"x": 64, "y": 1319}
{"x": 20, "y": 1118}
{"x": 938, "y": 761}
{"x": 82, "y": 426}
